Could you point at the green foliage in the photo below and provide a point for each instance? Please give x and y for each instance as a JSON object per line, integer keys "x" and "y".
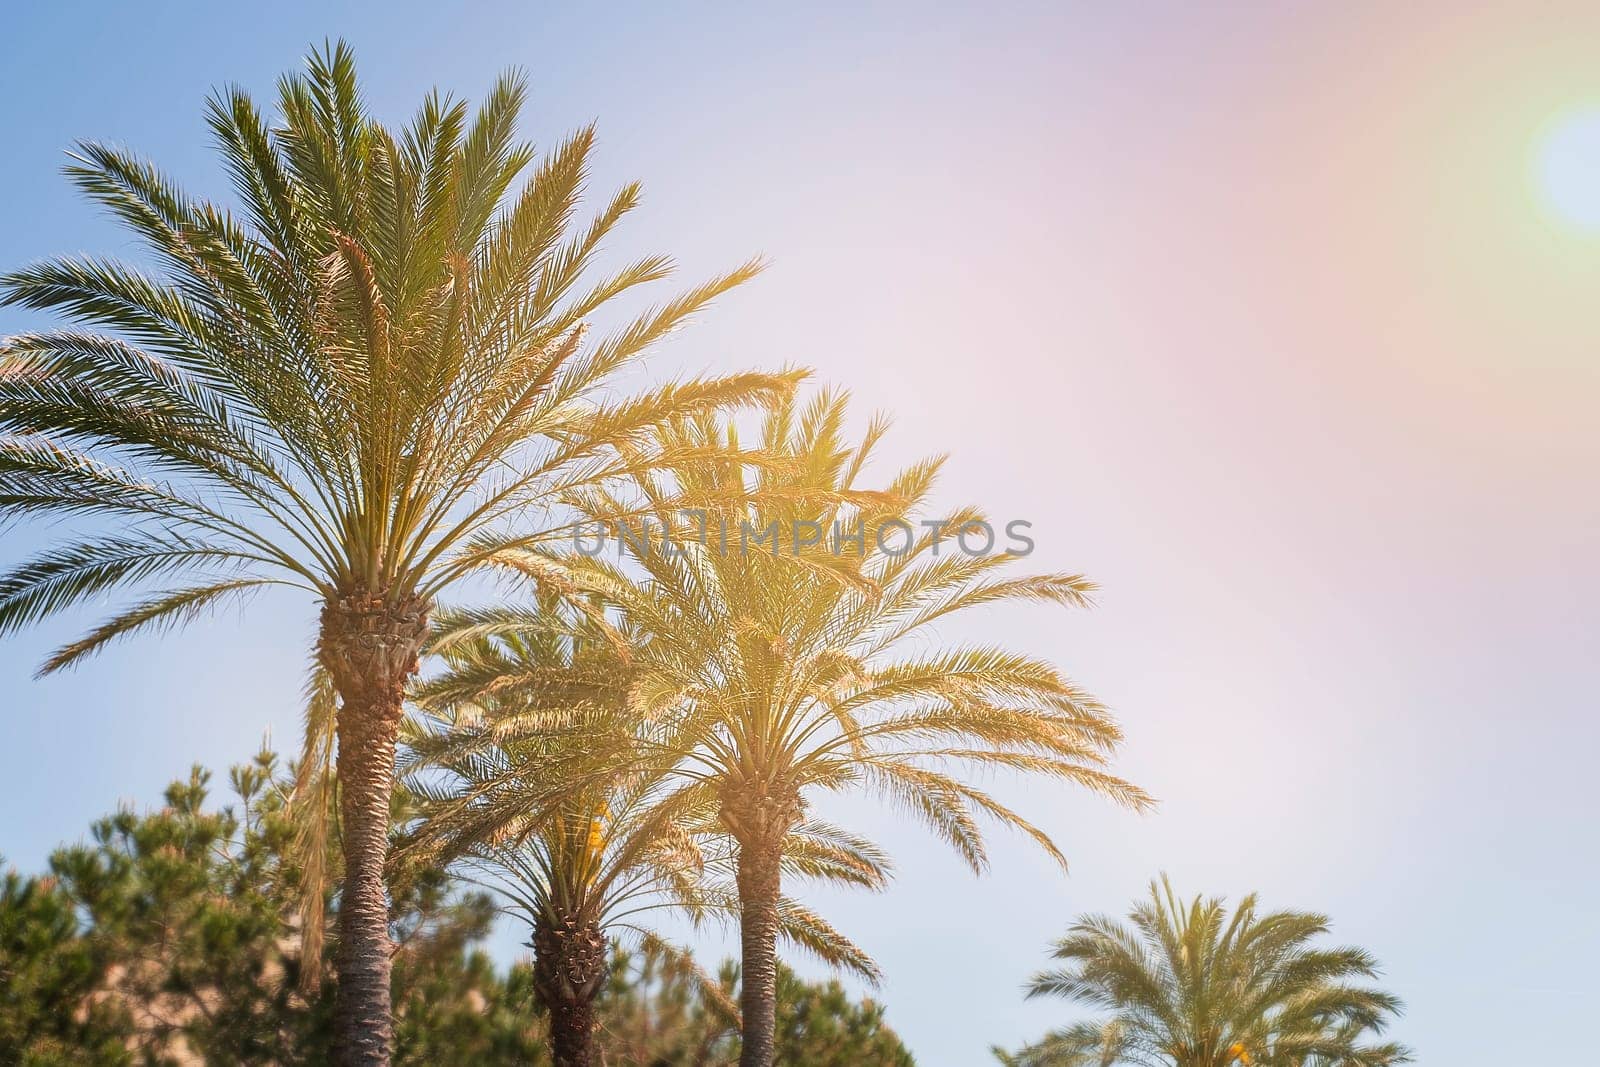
{"x": 48, "y": 976}
{"x": 820, "y": 1026}
{"x": 451, "y": 1006}
{"x": 183, "y": 905}
{"x": 661, "y": 1009}
{"x": 170, "y": 935}
{"x": 1188, "y": 985}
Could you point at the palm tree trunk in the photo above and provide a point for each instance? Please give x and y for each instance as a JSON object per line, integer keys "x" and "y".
{"x": 760, "y": 883}
{"x": 569, "y": 967}
{"x": 370, "y": 648}
{"x": 759, "y": 816}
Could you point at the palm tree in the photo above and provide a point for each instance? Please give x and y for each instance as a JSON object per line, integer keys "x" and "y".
{"x": 341, "y": 391}
{"x": 804, "y": 662}
{"x": 527, "y": 767}
{"x": 1191, "y": 986}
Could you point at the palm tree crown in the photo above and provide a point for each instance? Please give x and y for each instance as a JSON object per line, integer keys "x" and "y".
{"x": 382, "y": 360}
{"x": 1188, "y": 985}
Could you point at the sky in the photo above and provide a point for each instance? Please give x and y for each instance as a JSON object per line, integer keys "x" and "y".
{"x": 1277, "y": 320}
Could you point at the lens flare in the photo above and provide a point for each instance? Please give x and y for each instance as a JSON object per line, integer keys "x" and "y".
{"x": 1569, "y": 170}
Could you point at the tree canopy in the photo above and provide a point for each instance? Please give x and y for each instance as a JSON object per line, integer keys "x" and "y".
{"x": 168, "y": 937}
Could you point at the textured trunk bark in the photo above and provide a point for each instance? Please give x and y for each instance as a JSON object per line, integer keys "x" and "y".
{"x": 759, "y": 818}
{"x": 366, "y": 773}
{"x": 759, "y": 889}
{"x": 370, "y": 648}
{"x": 569, "y": 967}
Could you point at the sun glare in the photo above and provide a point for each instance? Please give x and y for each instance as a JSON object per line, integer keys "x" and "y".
{"x": 1569, "y": 169}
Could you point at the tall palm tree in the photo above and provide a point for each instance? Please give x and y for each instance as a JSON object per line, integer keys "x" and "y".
{"x": 342, "y": 391}
{"x": 807, "y": 662}
{"x": 526, "y": 763}
{"x": 1188, "y": 985}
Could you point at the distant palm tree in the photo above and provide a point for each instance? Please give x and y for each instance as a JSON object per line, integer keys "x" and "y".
{"x": 528, "y": 769}
{"x": 804, "y": 663}
{"x": 343, "y": 391}
{"x": 1188, "y": 985}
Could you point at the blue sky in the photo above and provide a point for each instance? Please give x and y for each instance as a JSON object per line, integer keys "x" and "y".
{"x": 1256, "y": 314}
